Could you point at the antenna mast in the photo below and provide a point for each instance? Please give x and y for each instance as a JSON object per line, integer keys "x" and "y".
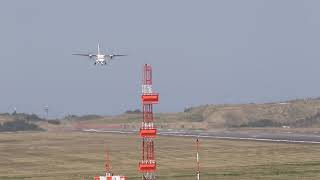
{"x": 198, "y": 161}
{"x": 108, "y": 164}
{"x": 46, "y": 110}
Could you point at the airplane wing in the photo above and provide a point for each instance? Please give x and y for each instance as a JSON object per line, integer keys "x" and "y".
{"x": 115, "y": 55}
{"x": 88, "y": 55}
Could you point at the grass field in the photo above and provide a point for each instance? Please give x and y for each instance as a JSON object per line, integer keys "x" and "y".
{"x": 65, "y": 156}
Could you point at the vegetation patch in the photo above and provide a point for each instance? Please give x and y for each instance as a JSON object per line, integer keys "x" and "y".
{"x": 18, "y": 125}
{"x": 262, "y": 123}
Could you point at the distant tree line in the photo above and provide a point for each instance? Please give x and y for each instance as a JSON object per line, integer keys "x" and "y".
{"x": 20, "y": 122}
{"x": 189, "y": 109}
{"x": 309, "y": 121}
{"x": 81, "y": 118}
{"x": 262, "y": 123}
{"x": 27, "y": 117}
{"x": 18, "y": 125}
{"x": 55, "y": 122}
{"x": 136, "y": 111}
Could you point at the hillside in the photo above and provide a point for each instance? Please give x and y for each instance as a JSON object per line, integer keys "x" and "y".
{"x": 295, "y": 113}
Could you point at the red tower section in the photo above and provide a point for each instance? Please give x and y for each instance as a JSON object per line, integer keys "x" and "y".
{"x": 148, "y": 131}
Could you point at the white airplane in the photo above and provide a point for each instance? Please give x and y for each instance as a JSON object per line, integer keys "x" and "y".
{"x": 101, "y": 58}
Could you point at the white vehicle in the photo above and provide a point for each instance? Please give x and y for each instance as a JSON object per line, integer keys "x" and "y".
{"x": 99, "y": 58}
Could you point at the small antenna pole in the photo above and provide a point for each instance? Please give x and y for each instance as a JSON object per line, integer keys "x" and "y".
{"x": 198, "y": 161}
{"x": 46, "y": 110}
{"x": 108, "y": 163}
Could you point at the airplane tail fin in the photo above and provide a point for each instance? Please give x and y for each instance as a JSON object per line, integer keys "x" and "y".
{"x": 98, "y": 48}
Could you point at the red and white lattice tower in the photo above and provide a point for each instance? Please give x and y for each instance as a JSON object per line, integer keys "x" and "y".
{"x": 109, "y": 175}
{"x": 148, "y": 131}
{"x": 108, "y": 164}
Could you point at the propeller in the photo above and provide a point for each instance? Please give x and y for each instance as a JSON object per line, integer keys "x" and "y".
{"x": 90, "y": 55}
{"x": 111, "y": 51}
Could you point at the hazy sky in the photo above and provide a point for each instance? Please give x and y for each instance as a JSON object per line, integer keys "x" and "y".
{"x": 202, "y": 52}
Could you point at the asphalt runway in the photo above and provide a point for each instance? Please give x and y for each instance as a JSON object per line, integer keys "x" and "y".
{"x": 281, "y": 137}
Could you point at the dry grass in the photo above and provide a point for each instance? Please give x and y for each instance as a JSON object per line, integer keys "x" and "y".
{"x": 80, "y": 156}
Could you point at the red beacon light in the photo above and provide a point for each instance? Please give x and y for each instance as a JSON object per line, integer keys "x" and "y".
{"x": 148, "y": 133}
{"x": 150, "y": 98}
{"x": 147, "y": 166}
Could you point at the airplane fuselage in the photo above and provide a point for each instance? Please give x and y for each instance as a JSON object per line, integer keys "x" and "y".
{"x": 101, "y": 59}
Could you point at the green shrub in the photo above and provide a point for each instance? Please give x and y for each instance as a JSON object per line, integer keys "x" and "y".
{"x": 18, "y": 125}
